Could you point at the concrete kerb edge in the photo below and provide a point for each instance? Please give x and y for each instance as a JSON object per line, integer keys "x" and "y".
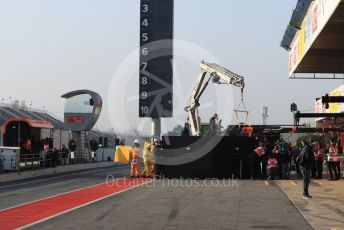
{"x": 8, "y": 177}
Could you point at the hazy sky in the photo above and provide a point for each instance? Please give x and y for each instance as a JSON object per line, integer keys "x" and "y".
{"x": 49, "y": 47}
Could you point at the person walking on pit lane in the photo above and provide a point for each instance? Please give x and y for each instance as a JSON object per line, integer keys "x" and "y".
{"x": 306, "y": 160}
{"x": 296, "y": 152}
{"x": 272, "y": 166}
{"x": 254, "y": 160}
{"x": 148, "y": 160}
{"x": 283, "y": 159}
{"x": 72, "y": 148}
{"x": 318, "y": 164}
{"x": 134, "y": 160}
{"x": 93, "y": 147}
{"x": 337, "y": 163}
{"x": 332, "y": 152}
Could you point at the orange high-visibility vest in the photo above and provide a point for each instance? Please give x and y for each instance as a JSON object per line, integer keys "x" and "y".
{"x": 260, "y": 151}
{"x": 332, "y": 151}
{"x": 272, "y": 163}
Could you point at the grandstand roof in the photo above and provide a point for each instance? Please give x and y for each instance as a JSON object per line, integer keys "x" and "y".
{"x": 295, "y": 23}
{"x": 7, "y": 112}
{"x": 315, "y": 37}
{"x": 31, "y": 123}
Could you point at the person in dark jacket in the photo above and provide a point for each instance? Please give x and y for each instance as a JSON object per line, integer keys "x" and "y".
{"x": 254, "y": 161}
{"x": 306, "y": 161}
{"x": 337, "y": 164}
{"x": 283, "y": 159}
{"x": 296, "y": 152}
{"x": 186, "y": 130}
{"x": 94, "y": 148}
{"x": 72, "y": 148}
{"x": 65, "y": 153}
{"x": 318, "y": 162}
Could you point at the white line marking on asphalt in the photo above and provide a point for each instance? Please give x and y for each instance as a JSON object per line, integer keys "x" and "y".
{"x": 55, "y": 195}
{"x": 46, "y": 179}
{"x": 318, "y": 182}
{"x": 16, "y": 206}
{"x": 292, "y": 182}
{"x": 83, "y": 205}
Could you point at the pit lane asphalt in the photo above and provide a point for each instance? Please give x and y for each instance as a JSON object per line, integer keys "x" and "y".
{"x": 19, "y": 192}
{"x": 164, "y": 204}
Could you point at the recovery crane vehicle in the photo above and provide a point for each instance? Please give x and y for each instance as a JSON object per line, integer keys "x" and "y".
{"x": 218, "y": 75}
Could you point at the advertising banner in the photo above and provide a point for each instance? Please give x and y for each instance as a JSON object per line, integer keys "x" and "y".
{"x": 301, "y": 43}
{"x": 316, "y": 18}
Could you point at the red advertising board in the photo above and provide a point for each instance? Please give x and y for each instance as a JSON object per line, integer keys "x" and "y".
{"x": 75, "y": 119}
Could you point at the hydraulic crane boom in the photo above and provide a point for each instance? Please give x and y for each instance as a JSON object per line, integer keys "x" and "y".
{"x": 218, "y": 75}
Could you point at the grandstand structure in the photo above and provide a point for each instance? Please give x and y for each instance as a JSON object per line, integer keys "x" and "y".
{"x": 315, "y": 40}
{"x": 8, "y": 111}
{"x": 57, "y": 129}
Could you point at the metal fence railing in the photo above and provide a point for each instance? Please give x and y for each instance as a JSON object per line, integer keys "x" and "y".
{"x": 48, "y": 159}
{"x": 2, "y": 164}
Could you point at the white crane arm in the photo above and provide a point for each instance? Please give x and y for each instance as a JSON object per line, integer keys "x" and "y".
{"x": 218, "y": 75}
{"x": 222, "y": 75}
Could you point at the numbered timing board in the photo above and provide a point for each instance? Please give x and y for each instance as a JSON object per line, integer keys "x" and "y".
{"x": 156, "y": 55}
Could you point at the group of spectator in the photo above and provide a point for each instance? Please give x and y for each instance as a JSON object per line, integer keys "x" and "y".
{"x": 51, "y": 155}
{"x": 54, "y": 156}
{"x": 271, "y": 161}
{"x": 277, "y": 161}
